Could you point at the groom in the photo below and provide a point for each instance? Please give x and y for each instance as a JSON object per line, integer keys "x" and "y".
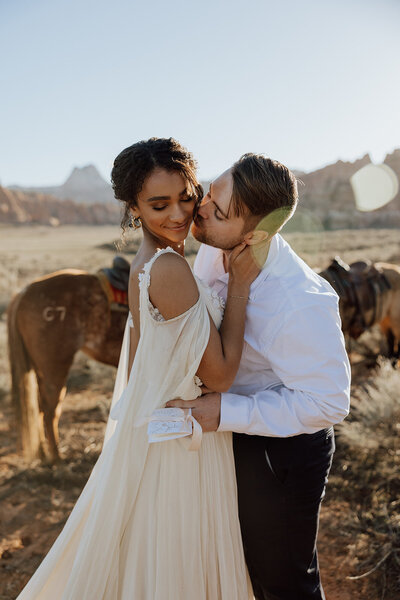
{"x": 293, "y": 381}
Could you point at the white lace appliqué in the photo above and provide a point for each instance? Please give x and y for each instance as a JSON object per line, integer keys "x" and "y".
{"x": 154, "y": 312}
{"x": 217, "y": 300}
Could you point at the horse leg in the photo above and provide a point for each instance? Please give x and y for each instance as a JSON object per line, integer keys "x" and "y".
{"x": 395, "y": 348}
{"x": 391, "y": 329}
{"x": 24, "y": 385}
{"x": 395, "y": 330}
{"x": 390, "y": 343}
{"x": 52, "y": 390}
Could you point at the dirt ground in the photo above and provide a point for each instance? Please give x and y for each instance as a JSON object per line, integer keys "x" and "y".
{"x": 35, "y": 499}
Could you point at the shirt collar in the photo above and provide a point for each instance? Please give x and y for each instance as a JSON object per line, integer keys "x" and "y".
{"x": 222, "y": 276}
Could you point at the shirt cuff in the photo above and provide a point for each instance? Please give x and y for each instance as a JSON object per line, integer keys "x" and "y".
{"x": 234, "y": 413}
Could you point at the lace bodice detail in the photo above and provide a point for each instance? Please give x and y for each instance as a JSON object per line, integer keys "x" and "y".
{"x": 153, "y": 310}
{"x": 217, "y": 300}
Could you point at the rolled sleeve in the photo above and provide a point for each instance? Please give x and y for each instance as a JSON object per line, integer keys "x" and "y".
{"x": 308, "y": 355}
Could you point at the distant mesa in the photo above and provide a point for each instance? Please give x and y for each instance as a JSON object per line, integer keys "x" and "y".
{"x": 85, "y": 185}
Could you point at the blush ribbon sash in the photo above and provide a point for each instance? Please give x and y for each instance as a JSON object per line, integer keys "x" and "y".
{"x": 171, "y": 423}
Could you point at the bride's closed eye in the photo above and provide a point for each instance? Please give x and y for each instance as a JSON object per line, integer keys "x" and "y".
{"x": 188, "y": 199}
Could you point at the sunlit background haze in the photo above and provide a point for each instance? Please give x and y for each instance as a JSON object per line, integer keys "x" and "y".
{"x": 306, "y": 82}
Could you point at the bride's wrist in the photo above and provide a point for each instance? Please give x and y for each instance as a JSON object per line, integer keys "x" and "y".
{"x": 238, "y": 290}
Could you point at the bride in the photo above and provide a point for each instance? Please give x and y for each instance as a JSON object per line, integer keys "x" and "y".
{"x": 157, "y": 518}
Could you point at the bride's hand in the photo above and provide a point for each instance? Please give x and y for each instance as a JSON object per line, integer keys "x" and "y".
{"x": 242, "y": 267}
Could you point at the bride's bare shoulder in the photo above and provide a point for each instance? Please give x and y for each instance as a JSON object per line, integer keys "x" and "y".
{"x": 173, "y": 288}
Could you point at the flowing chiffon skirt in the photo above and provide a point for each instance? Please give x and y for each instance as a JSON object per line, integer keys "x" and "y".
{"x": 154, "y": 521}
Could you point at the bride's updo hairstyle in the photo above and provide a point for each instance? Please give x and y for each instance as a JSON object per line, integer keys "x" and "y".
{"x": 134, "y": 164}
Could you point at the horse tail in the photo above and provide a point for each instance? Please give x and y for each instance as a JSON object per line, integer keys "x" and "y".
{"x": 24, "y": 385}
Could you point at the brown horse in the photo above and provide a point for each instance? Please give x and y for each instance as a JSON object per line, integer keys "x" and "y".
{"x": 369, "y": 294}
{"x": 48, "y": 322}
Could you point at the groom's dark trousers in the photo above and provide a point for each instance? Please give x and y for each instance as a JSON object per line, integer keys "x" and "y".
{"x": 281, "y": 482}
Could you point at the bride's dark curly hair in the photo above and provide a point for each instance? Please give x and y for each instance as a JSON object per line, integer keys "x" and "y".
{"x": 134, "y": 164}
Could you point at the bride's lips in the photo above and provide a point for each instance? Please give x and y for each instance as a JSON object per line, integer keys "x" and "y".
{"x": 180, "y": 227}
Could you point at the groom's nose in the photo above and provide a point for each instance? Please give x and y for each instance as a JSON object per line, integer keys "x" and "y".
{"x": 204, "y": 207}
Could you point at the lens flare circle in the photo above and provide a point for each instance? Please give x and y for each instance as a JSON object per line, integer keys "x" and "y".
{"x": 374, "y": 186}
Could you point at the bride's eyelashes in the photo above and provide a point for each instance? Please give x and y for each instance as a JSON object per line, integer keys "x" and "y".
{"x": 188, "y": 199}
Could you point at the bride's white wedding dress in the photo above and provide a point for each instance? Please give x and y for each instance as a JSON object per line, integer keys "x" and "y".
{"x": 154, "y": 521}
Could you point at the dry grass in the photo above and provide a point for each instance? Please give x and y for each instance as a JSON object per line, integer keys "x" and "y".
{"x": 360, "y": 522}
{"x": 366, "y": 475}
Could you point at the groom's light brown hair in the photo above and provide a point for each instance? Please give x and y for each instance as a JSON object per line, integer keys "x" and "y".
{"x": 262, "y": 186}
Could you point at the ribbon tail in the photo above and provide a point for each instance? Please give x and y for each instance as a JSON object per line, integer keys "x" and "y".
{"x": 197, "y": 434}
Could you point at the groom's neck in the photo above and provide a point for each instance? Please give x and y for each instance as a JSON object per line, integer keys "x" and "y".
{"x": 260, "y": 252}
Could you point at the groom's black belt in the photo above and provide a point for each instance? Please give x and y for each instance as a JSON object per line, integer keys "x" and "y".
{"x": 327, "y": 432}
{"x": 317, "y": 434}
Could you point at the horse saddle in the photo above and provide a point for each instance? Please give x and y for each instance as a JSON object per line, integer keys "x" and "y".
{"x": 114, "y": 281}
{"x": 363, "y": 286}
{"x": 118, "y": 274}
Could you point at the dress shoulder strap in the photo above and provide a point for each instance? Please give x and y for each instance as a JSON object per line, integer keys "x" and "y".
{"x": 146, "y": 308}
{"x": 144, "y": 275}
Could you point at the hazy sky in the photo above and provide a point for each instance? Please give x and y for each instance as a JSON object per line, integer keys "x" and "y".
{"x": 305, "y": 81}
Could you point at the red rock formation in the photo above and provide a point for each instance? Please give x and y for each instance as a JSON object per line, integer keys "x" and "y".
{"x": 393, "y": 161}
{"x": 21, "y": 207}
{"x": 327, "y": 195}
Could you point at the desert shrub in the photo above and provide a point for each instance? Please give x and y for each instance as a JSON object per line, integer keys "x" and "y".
{"x": 367, "y": 476}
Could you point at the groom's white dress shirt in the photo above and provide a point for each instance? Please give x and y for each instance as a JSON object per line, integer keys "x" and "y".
{"x": 294, "y": 374}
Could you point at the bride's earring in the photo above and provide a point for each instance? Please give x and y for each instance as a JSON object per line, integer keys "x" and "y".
{"x": 135, "y": 222}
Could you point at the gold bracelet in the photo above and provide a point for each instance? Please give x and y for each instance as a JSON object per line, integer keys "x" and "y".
{"x": 243, "y": 297}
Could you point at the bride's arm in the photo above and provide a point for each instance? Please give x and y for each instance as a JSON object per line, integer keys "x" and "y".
{"x": 173, "y": 290}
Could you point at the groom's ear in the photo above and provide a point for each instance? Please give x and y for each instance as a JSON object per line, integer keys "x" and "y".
{"x": 255, "y": 237}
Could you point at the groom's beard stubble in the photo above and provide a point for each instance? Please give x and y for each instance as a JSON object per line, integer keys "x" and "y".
{"x": 199, "y": 233}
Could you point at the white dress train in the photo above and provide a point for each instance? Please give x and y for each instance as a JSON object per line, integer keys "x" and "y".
{"x": 154, "y": 521}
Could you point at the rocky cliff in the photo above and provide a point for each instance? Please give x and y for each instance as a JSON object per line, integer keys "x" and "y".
{"x": 327, "y": 196}
{"x": 393, "y": 161}
{"x": 29, "y": 207}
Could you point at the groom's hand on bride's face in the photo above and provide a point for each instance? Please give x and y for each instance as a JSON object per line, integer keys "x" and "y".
{"x": 205, "y": 409}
